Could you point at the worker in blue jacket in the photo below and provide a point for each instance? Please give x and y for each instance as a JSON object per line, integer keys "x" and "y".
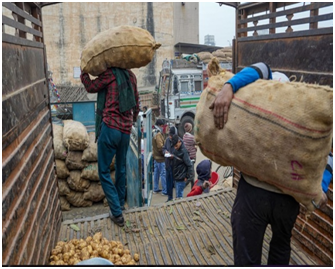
{"x": 257, "y": 203}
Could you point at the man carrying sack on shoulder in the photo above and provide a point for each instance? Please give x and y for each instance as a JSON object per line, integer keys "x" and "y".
{"x": 117, "y": 109}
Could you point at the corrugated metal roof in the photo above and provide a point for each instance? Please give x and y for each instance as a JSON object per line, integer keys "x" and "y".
{"x": 190, "y": 231}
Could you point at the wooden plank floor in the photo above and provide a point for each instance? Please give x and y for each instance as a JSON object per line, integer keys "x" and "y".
{"x": 190, "y": 231}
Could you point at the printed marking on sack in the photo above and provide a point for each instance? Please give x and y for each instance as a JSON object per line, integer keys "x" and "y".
{"x": 295, "y": 165}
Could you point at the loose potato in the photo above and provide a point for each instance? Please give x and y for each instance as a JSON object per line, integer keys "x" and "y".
{"x": 136, "y": 257}
{"x": 97, "y": 236}
{"x": 60, "y": 262}
{"x": 66, "y": 256}
{"x": 89, "y": 239}
{"x": 54, "y": 258}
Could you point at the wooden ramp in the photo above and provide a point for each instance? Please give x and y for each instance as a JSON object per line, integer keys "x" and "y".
{"x": 190, "y": 231}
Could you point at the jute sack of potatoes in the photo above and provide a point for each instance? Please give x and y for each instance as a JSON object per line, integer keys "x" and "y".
{"x": 124, "y": 47}
{"x": 63, "y": 187}
{"x": 90, "y": 154}
{"x": 94, "y": 193}
{"x": 60, "y": 150}
{"x": 77, "y": 199}
{"x": 90, "y": 172}
{"x": 74, "y": 160}
{"x": 75, "y": 136}
{"x": 77, "y": 183}
{"x": 278, "y": 132}
{"x": 61, "y": 170}
{"x": 204, "y": 55}
{"x": 64, "y": 204}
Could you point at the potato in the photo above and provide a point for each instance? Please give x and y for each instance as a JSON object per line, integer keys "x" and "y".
{"x": 120, "y": 251}
{"x": 84, "y": 254}
{"x": 132, "y": 262}
{"x": 126, "y": 251}
{"x": 136, "y": 257}
{"x": 115, "y": 251}
{"x": 97, "y": 236}
{"x": 54, "y": 258}
{"x": 52, "y": 263}
{"x": 113, "y": 243}
{"x": 89, "y": 239}
{"x": 94, "y": 245}
{"x": 66, "y": 256}
{"x": 66, "y": 248}
{"x": 82, "y": 245}
{"x": 104, "y": 241}
{"x": 75, "y": 242}
{"x": 76, "y": 261}
{"x": 56, "y": 251}
{"x": 123, "y": 260}
{"x": 90, "y": 249}
{"x": 71, "y": 261}
{"x": 104, "y": 254}
{"x": 60, "y": 243}
{"x": 118, "y": 263}
{"x": 59, "y": 262}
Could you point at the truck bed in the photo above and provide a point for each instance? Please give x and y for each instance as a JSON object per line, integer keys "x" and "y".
{"x": 190, "y": 231}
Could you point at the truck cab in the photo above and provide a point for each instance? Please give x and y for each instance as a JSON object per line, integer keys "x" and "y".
{"x": 181, "y": 84}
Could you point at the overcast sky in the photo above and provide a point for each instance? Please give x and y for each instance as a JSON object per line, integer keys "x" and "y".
{"x": 217, "y": 21}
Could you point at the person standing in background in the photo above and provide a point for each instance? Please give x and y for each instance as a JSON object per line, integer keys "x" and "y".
{"x": 182, "y": 165}
{"x": 167, "y": 149}
{"x": 189, "y": 143}
{"x": 159, "y": 159}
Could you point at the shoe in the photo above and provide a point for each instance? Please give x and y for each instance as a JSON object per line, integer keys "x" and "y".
{"x": 117, "y": 220}
{"x": 157, "y": 191}
{"x": 169, "y": 200}
{"x": 163, "y": 193}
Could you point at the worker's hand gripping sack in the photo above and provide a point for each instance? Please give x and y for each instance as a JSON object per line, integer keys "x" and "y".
{"x": 280, "y": 133}
{"x": 123, "y": 47}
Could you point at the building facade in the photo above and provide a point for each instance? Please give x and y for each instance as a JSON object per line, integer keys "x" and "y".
{"x": 69, "y": 26}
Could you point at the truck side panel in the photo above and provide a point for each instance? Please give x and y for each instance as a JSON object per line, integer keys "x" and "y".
{"x": 295, "y": 40}
{"x": 31, "y": 215}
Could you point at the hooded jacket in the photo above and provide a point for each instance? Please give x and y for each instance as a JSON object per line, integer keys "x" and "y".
{"x": 204, "y": 170}
{"x": 182, "y": 166}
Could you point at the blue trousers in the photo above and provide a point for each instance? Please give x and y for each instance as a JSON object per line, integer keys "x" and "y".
{"x": 159, "y": 171}
{"x": 113, "y": 142}
{"x": 169, "y": 182}
{"x": 180, "y": 186}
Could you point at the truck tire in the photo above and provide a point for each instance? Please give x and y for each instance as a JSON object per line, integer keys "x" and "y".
{"x": 184, "y": 120}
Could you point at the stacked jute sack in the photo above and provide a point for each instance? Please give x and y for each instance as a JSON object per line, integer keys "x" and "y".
{"x": 280, "y": 133}
{"x": 123, "y": 47}
{"x": 76, "y": 165}
{"x": 223, "y": 55}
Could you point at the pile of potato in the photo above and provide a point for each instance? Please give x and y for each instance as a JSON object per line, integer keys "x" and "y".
{"x": 74, "y": 251}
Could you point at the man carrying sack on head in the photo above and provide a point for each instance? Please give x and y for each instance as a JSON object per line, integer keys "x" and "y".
{"x": 117, "y": 109}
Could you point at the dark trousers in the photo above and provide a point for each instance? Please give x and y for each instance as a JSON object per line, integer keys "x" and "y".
{"x": 169, "y": 182}
{"x": 254, "y": 208}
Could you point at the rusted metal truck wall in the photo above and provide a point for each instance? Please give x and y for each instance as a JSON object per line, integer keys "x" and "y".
{"x": 293, "y": 38}
{"x": 296, "y": 39}
{"x": 31, "y": 215}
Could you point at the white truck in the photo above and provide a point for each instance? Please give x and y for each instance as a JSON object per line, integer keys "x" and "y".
{"x": 180, "y": 86}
